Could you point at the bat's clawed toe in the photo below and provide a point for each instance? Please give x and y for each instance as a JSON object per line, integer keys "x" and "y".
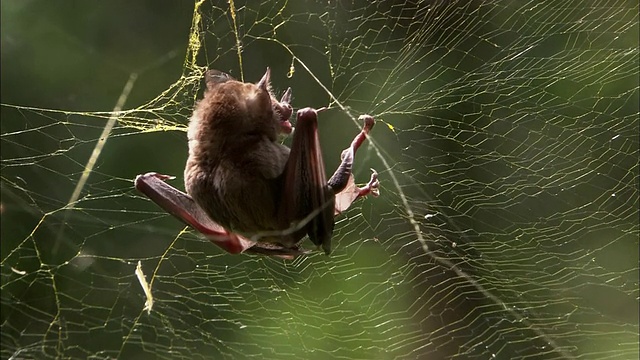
{"x": 368, "y": 120}
{"x": 373, "y": 186}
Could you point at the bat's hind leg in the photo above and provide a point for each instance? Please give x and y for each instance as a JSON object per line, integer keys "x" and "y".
{"x": 342, "y": 182}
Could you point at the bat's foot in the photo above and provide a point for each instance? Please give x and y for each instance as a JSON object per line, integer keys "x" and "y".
{"x": 372, "y": 188}
{"x": 368, "y": 121}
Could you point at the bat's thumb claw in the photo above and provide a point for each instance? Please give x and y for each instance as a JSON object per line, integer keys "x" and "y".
{"x": 307, "y": 112}
{"x": 148, "y": 175}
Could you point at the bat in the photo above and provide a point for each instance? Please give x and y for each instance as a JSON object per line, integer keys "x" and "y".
{"x": 247, "y": 192}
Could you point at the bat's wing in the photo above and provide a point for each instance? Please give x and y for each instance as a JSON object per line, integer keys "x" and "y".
{"x": 307, "y": 200}
{"x": 182, "y": 206}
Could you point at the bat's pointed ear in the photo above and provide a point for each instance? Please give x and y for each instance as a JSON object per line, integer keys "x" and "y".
{"x": 215, "y": 77}
{"x": 264, "y": 83}
{"x": 286, "y": 97}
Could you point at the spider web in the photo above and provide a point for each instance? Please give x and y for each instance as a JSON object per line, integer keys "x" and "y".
{"x": 507, "y": 148}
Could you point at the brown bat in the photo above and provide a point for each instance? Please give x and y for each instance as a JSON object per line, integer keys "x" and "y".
{"x": 246, "y": 192}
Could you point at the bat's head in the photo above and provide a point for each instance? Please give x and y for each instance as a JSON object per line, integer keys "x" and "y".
{"x": 234, "y": 108}
{"x": 282, "y": 109}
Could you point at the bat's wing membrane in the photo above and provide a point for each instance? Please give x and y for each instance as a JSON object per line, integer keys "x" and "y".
{"x": 182, "y": 206}
{"x": 306, "y": 197}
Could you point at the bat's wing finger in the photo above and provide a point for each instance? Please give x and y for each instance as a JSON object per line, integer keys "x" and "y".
{"x": 182, "y": 206}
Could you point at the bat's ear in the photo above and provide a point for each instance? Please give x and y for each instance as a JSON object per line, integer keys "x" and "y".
{"x": 265, "y": 82}
{"x": 286, "y": 97}
{"x": 215, "y": 77}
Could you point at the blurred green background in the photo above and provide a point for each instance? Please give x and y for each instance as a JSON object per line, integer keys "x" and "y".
{"x": 507, "y": 147}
